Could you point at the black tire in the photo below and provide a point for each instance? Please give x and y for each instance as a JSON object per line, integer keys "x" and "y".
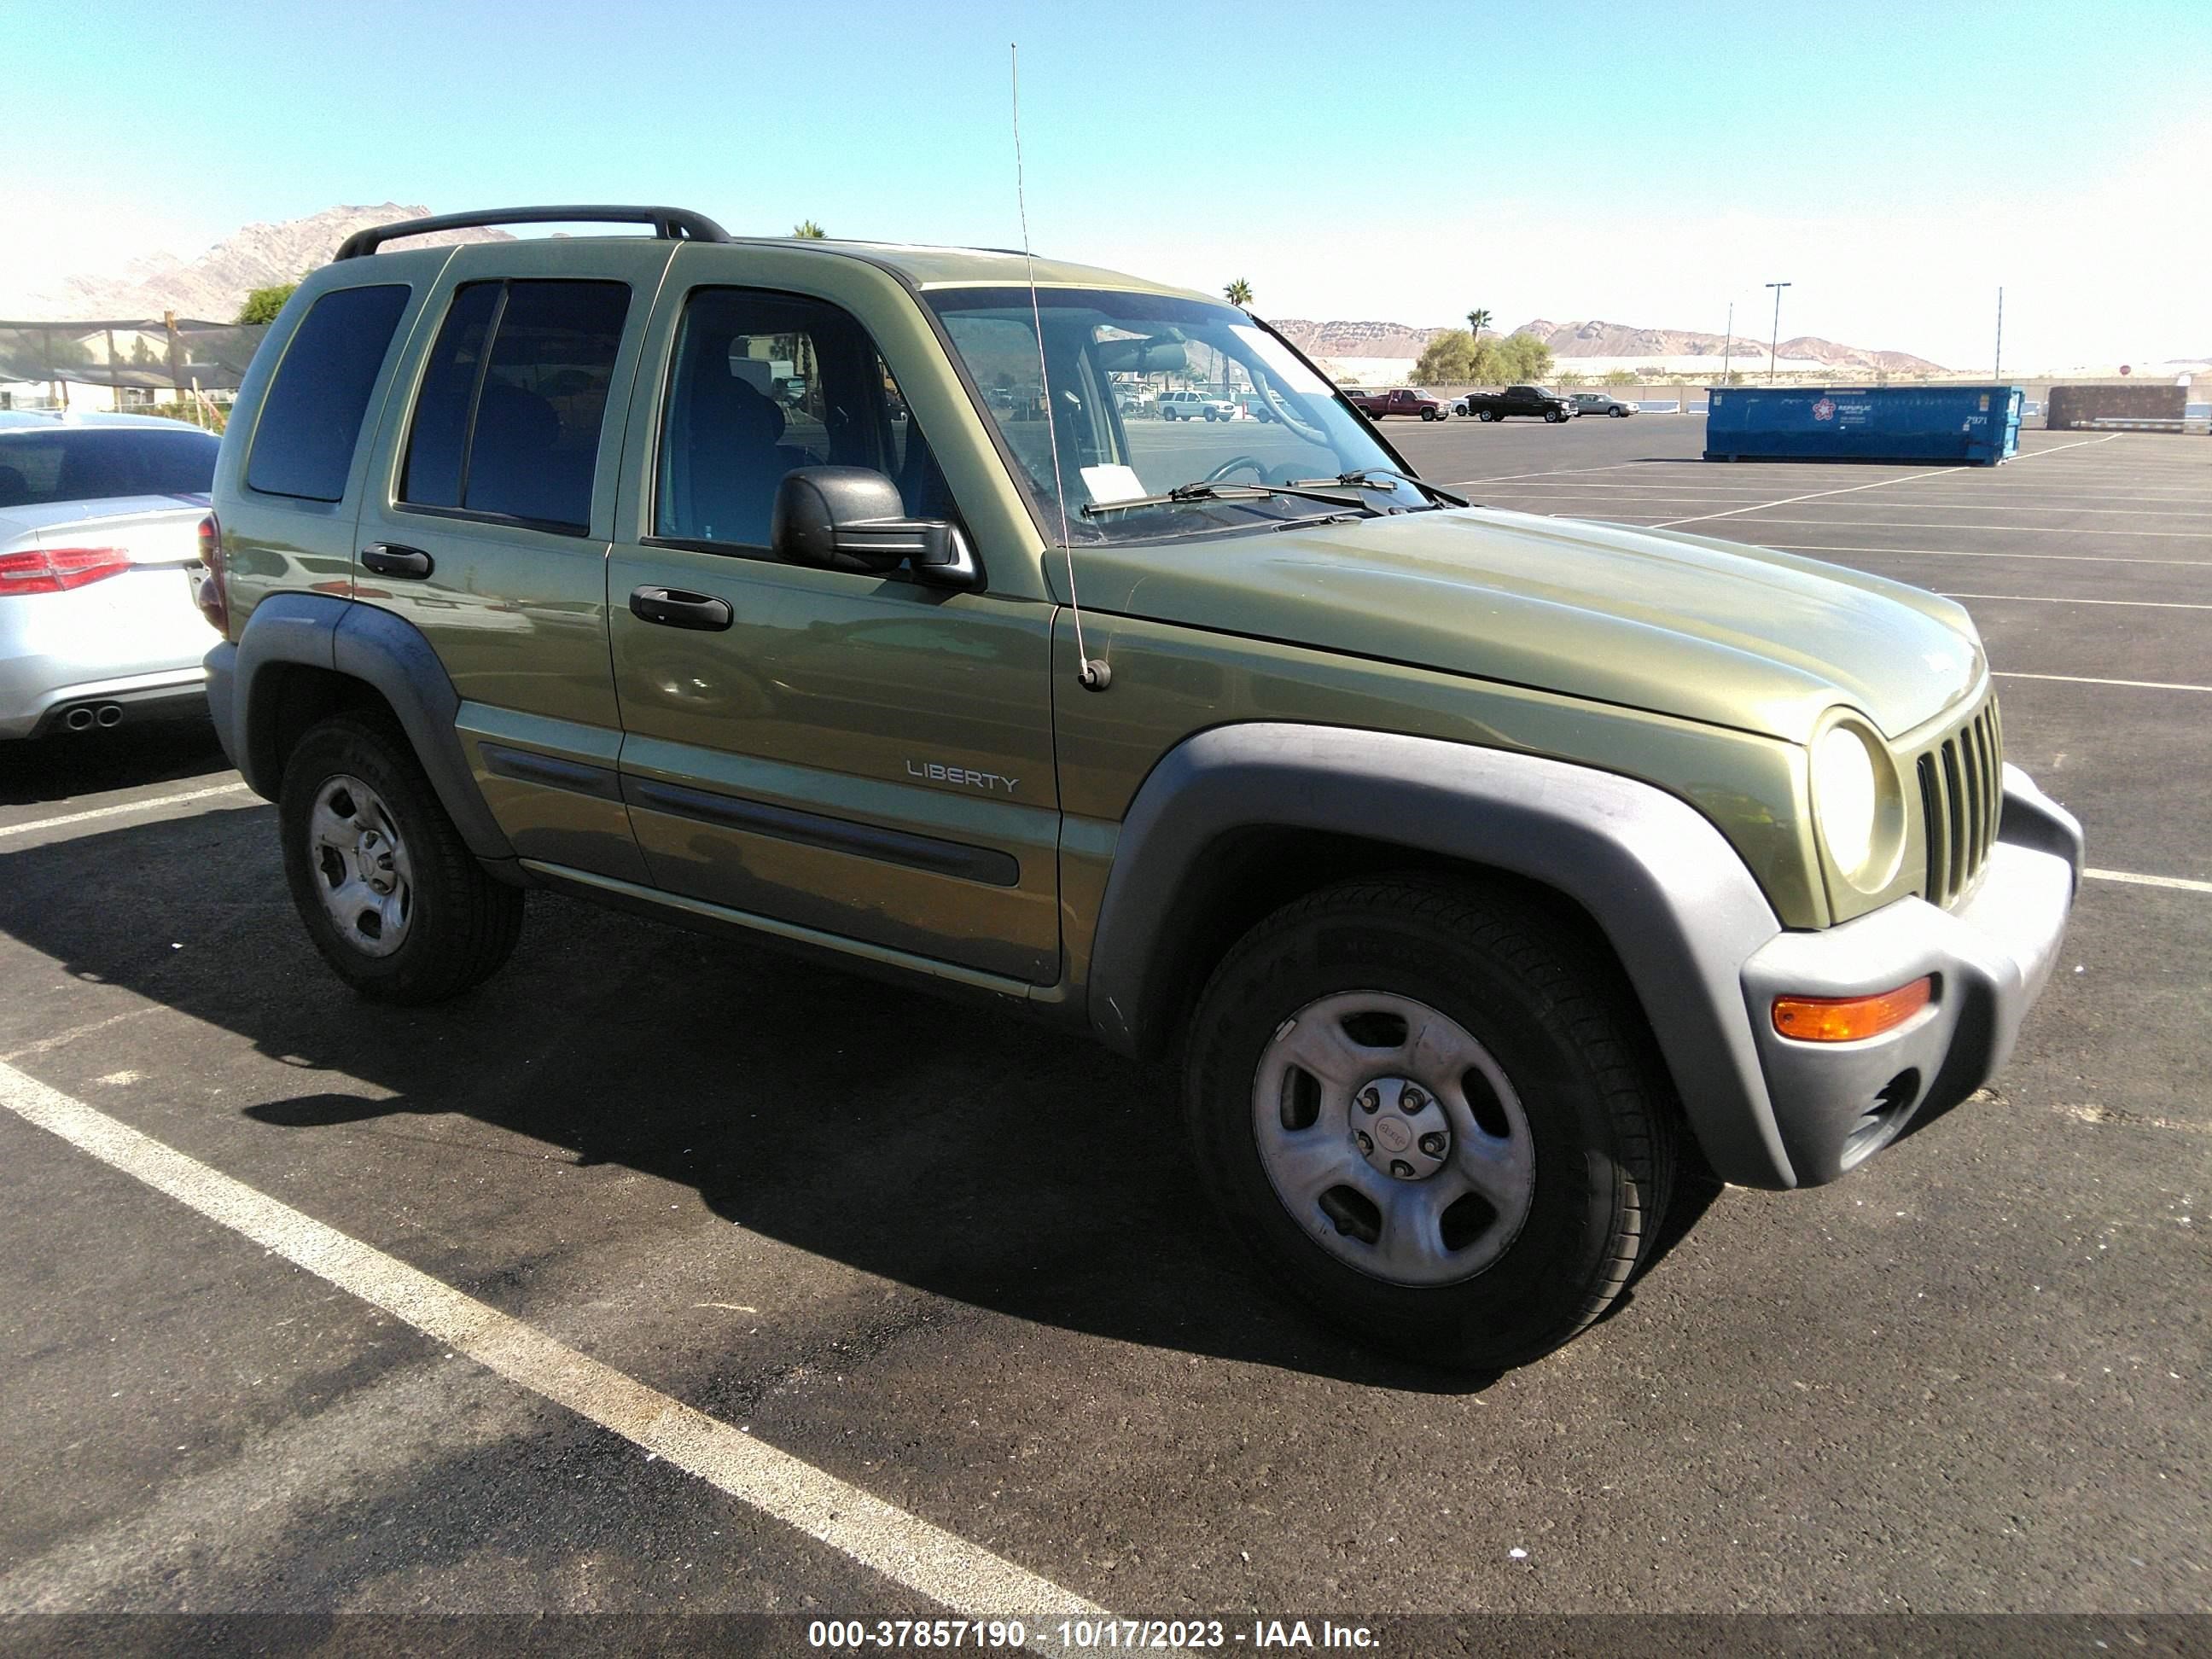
{"x": 1428, "y": 414}
{"x": 462, "y": 924}
{"x": 1557, "y": 1019}
{"x": 1618, "y": 414}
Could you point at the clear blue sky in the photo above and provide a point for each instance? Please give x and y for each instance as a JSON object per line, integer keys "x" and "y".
{"x": 1641, "y": 163}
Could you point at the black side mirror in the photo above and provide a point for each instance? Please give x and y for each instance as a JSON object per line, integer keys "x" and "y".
{"x": 850, "y": 518}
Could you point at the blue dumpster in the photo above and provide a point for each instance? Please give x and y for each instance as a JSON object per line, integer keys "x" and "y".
{"x": 1977, "y": 425}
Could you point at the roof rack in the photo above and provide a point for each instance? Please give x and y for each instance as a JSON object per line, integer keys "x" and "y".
{"x": 671, "y": 224}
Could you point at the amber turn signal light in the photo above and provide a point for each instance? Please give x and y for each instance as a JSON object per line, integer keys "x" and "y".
{"x": 1846, "y": 1019}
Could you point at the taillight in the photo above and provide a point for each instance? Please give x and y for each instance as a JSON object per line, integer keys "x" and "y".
{"x": 214, "y": 596}
{"x": 57, "y": 569}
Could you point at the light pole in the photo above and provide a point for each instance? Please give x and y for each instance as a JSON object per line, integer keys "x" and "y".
{"x": 1728, "y": 344}
{"x": 2000, "y": 373}
{"x": 1776, "y": 345}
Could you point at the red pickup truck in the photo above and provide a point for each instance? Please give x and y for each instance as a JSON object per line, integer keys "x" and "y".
{"x": 1401, "y": 401}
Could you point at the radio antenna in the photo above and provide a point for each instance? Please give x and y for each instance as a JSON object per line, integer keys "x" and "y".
{"x": 1094, "y": 676}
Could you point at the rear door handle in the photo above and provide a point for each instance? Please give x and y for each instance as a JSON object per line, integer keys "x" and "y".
{"x": 671, "y": 607}
{"x": 389, "y": 559}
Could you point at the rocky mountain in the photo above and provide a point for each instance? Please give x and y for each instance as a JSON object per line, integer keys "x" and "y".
{"x": 1602, "y": 339}
{"x": 213, "y": 284}
{"x": 1341, "y": 339}
{"x": 1592, "y": 339}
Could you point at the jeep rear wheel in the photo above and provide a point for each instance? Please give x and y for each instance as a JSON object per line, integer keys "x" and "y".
{"x": 1432, "y": 1114}
{"x": 390, "y": 894}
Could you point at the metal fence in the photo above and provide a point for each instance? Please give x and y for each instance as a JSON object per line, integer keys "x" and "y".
{"x": 156, "y": 355}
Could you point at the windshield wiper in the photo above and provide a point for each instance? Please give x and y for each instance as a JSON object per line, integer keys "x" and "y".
{"x": 1370, "y": 477}
{"x": 1307, "y": 490}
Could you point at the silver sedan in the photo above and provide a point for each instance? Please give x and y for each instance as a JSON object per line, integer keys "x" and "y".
{"x": 99, "y": 566}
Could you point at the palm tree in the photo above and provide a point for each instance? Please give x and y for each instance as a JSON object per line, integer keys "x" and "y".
{"x": 1238, "y": 293}
{"x": 1478, "y": 319}
{"x": 807, "y": 231}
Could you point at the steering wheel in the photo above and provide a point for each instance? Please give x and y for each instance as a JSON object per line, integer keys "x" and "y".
{"x": 1259, "y": 468}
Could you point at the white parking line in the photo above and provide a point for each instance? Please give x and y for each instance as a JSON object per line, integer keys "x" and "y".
{"x": 2135, "y": 880}
{"x": 2087, "y": 679}
{"x": 2060, "y": 598}
{"x": 47, "y": 1045}
{"x": 1674, "y": 486}
{"x": 1978, "y": 553}
{"x": 1994, "y": 529}
{"x": 149, "y": 804}
{"x": 1502, "y": 477}
{"x": 1848, "y": 489}
{"x": 902, "y": 1547}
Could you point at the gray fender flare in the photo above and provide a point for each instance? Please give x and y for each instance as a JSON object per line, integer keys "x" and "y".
{"x": 363, "y": 642}
{"x": 1675, "y": 900}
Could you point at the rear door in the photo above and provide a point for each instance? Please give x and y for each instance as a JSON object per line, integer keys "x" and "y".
{"x": 489, "y": 516}
{"x": 855, "y": 754}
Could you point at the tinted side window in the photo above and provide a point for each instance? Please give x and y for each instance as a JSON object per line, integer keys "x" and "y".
{"x": 304, "y": 442}
{"x": 432, "y": 477}
{"x": 759, "y": 383}
{"x": 513, "y": 400}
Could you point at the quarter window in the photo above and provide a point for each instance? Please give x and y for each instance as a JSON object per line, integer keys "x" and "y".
{"x": 508, "y": 420}
{"x": 310, "y": 420}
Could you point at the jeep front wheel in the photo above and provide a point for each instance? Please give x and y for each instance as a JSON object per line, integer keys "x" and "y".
{"x": 390, "y": 894}
{"x": 1433, "y": 1114}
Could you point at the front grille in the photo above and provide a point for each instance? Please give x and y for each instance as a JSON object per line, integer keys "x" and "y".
{"x": 1961, "y": 794}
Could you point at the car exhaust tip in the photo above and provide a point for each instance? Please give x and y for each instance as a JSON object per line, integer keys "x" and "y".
{"x": 110, "y": 715}
{"x": 78, "y": 719}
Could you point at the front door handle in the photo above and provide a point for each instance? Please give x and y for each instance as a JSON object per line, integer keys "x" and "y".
{"x": 389, "y": 559}
{"x": 671, "y": 607}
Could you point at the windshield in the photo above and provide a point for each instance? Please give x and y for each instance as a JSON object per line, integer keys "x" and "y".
{"x": 1153, "y": 394}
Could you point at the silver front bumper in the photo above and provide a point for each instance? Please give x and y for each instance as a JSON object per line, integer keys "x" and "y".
{"x": 1836, "y": 1104}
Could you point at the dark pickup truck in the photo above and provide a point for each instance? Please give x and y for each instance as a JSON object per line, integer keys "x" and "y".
{"x": 1401, "y": 401}
{"x": 1514, "y": 400}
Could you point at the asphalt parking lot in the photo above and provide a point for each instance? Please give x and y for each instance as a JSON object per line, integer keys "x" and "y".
{"x": 662, "y": 1275}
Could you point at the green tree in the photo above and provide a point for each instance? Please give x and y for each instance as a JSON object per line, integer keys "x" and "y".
{"x": 264, "y": 303}
{"x": 1455, "y": 357}
{"x": 1448, "y": 359}
{"x": 1521, "y": 357}
{"x": 1238, "y": 293}
{"x": 807, "y": 231}
{"x": 1477, "y": 320}
{"x": 1619, "y": 377}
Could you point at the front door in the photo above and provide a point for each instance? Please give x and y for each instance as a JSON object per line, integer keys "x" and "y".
{"x": 857, "y": 756}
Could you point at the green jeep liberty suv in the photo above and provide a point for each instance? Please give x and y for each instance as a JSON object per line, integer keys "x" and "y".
{"x": 1467, "y": 859}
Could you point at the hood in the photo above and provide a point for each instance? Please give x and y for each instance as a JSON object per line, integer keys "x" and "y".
{"x": 1705, "y": 630}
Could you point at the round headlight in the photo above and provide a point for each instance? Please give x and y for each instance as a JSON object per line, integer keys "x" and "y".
{"x": 1845, "y": 799}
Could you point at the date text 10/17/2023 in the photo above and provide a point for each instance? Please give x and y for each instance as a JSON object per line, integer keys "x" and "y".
{"x": 1127, "y": 1635}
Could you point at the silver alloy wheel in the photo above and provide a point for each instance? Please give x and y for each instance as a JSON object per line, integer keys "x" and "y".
{"x": 361, "y": 868}
{"x": 1393, "y": 1138}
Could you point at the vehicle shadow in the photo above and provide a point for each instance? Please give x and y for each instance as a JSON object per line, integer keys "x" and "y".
{"x": 960, "y": 1150}
{"x": 158, "y": 748}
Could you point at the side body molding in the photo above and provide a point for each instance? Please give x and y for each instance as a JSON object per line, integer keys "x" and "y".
{"x": 321, "y": 630}
{"x": 1674, "y": 898}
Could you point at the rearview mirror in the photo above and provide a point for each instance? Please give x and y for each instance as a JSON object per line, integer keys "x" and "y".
{"x": 1142, "y": 356}
{"x": 851, "y": 518}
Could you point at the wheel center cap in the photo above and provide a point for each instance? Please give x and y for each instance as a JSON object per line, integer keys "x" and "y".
{"x": 1400, "y": 1129}
{"x": 373, "y": 853}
